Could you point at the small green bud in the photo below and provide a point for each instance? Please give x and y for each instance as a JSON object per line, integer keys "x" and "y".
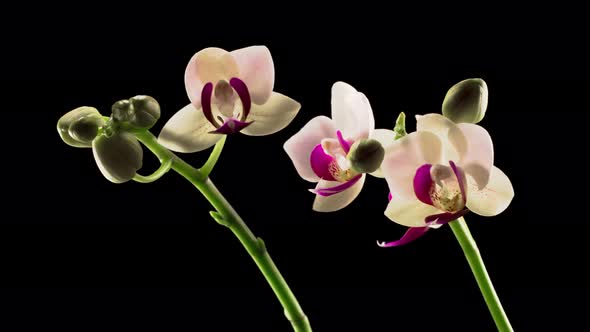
{"x": 400, "y": 126}
{"x": 139, "y": 111}
{"x": 366, "y": 155}
{"x": 118, "y": 157}
{"x": 466, "y": 101}
{"x": 80, "y": 126}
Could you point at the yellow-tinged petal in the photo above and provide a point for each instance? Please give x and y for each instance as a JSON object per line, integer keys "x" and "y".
{"x": 494, "y": 198}
{"x": 271, "y": 117}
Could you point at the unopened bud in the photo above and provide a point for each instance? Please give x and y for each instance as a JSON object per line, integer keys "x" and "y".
{"x": 139, "y": 111}
{"x": 118, "y": 157}
{"x": 80, "y": 126}
{"x": 366, "y": 155}
{"x": 466, "y": 101}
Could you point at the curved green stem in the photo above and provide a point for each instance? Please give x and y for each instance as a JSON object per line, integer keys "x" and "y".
{"x": 227, "y": 216}
{"x": 213, "y": 157}
{"x": 163, "y": 169}
{"x": 478, "y": 268}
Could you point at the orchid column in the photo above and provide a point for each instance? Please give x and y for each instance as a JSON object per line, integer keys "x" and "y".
{"x": 230, "y": 92}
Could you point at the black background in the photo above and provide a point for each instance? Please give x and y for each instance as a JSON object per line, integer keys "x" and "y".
{"x": 79, "y": 253}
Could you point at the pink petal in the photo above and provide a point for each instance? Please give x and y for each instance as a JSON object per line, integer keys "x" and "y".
{"x": 351, "y": 112}
{"x": 479, "y": 157}
{"x": 454, "y": 143}
{"x": 300, "y": 145}
{"x": 412, "y": 234}
{"x": 257, "y": 71}
{"x": 208, "y": 65}
{"x": 404, "y": 157}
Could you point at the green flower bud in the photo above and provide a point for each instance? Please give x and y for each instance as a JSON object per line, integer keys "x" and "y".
{"x": 366, "y": 155}
{"x": 139, "y": 111}
{"x": 118, "y": 157}
{"x": 466, "y": 101}
{"x": 79, "y": 127}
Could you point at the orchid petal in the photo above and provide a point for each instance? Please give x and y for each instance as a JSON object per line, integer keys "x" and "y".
{"x": 411, "y": 213}
{"x": 257, "y": 71}
{"x": 351, "y": 112}
{"x": 453, "y": 140}
{"x": 208, "y": 65}
{"x": 479, "y": 157}
{"x": 300, "y": 145}
{"x": 412, "y": 234}
{"x": 386, "y": 138}
{"x": 188, "y": 131}
{"x": 337, "y": 201}
{"x": 273, "y": 116}
{"x": 404, "y": 157}
{"x": 494, "y": 198}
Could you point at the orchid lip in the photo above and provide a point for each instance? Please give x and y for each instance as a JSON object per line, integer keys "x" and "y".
{"x": 206, "y": 95}
{"x": 325, "y": 192}
{"x": 320, "y": 163}
{"x": 343, "y": 143}
{"x": 231, "y": 126}
{"x": 411, "y": 235}
{"x": 445, "y": 218}
{"x": 244, "y": 94}
{"x": 423, "y": 184}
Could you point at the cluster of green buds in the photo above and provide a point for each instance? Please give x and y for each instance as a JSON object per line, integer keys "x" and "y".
{"x": 116, "y": 150}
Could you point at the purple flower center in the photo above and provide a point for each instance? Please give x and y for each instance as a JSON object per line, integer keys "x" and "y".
{"x": 229, "y": 122}
{"x": 328, "y": 159}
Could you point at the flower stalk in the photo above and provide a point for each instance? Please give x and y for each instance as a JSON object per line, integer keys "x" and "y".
{"x": 480, "y": 273}
{"x": 227, "y": 216}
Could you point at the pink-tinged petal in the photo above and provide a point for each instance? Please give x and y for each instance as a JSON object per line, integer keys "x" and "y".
{"x": 320, "y": 163}
{"x": 351, "y": 112}
{"x": 412, "y": 234}
{"x": 404, "y": 157}
{"x": 446, "y": 217}
{"x": 423, "y": 184}
{"x": 231, "y": 126}
{"x": 273, "y": 116}
{"x": 300, "y": 145}
{"x": 337, "y": 201}
{"x": 208, "y": 65}
{"x": 188, "y": 131}
{"x": 257, "y": 71}
{"x": 389, "y": 197}
{"x": 479, "y": 158}
{"x": 326, "y": 192}
{"x": 494, "y": 198}
{"x": 410, "y": 213}
{"x": 453, "y": 141}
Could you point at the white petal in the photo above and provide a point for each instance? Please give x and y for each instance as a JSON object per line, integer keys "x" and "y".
{"x": 208, "y": 65}
{"x": 188, "y": 131}
{"x": 452, "y": 138}
{"x": 409, "y": 213}
{"x": 300, "y": 145}
{"x": 271, "y": 117}
{"x": 257, "y": 71}
{"x": 404, "y": 156}
{"x": 494, "y": 198}
{"x": 479, "y": 158}
{"x": 386, "y": 137}
{"x": 351, "y": 112}
{"x": 339, "y": 200}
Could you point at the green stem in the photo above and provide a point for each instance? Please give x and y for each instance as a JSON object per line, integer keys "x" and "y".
{"x": 478, "y": 268}
{"x": 227, "y": 216}
{"x": 213, "y": 157}
{"x": 164, "y": 168}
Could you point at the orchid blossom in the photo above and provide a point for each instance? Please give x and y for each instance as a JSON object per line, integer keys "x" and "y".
{"x": 215, "y": 79}
{"x": 439, "y": 173}
{"x": 321, "y": 151}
